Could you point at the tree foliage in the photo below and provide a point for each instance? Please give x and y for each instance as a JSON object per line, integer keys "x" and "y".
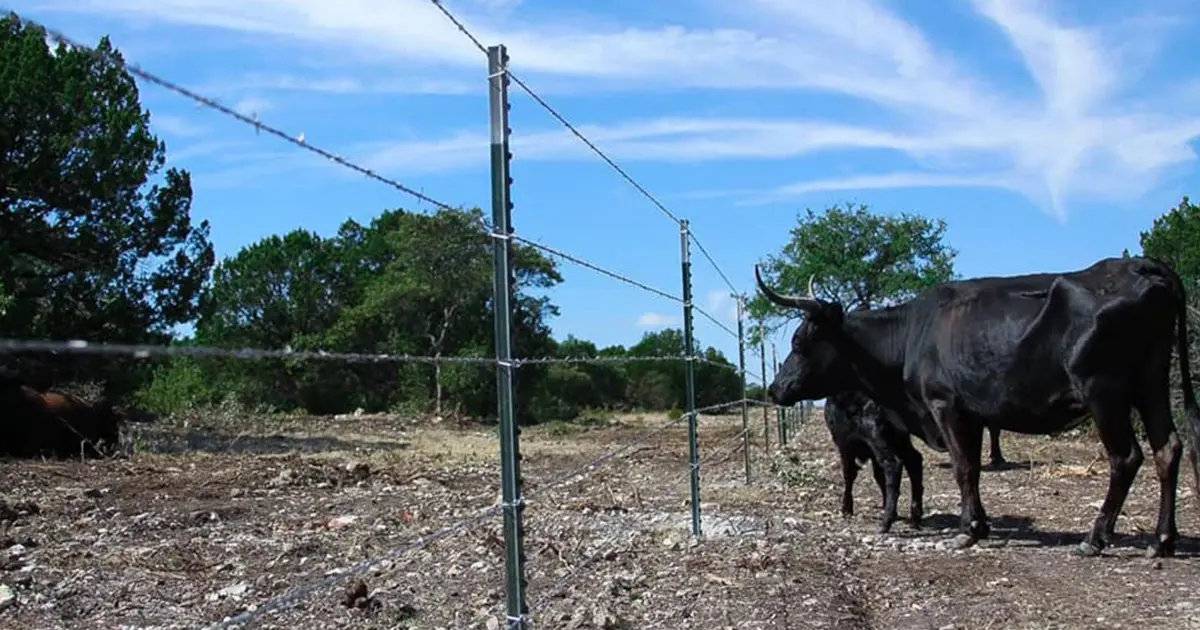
{"x": 858, "y": 258}
{"x": 415, "y": 284}
{"x": 1174, "y": 238}
{"x": 96, "y": 240}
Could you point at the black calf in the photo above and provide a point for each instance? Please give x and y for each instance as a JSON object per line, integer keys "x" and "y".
{"x": 861, "y": 432}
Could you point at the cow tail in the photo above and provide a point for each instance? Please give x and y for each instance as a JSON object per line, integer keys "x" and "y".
{"x": 1191, "y": 410}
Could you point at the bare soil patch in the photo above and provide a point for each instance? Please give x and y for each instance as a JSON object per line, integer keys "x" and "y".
{"x": 214, "y": 518}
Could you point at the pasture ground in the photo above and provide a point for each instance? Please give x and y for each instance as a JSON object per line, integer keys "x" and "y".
{"x": 211, "y": 518}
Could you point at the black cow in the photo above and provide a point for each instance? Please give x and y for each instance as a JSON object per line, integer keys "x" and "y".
{"x": 34, "y": 423}
{"x": 1032, "y": 354}
{"x": 861, "y": 432}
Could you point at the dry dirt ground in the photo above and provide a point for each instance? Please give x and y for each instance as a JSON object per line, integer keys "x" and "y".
{"x": 212, "y": 519}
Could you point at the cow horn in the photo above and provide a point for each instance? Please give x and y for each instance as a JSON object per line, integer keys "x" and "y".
{"x": 807, "y": 304}
{"x": 811, "y": 292}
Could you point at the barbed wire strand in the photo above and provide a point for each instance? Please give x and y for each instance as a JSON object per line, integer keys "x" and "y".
{"x": 146, "y": 350}
{"x": 713, "y": 318}
{"x": 78, "y": 346}
{"x": 630, "y": 359}
{"x": 597, "y": 268}
{"x": 570, "y": 127}
{"x": 137, "y": 70}
{"x": 253, "y": 121}
{"x": 720, "y": 451}
{"x": 301, "y": 593}
{"x": 641, "y": 439}
{"x": 712, "y": 261}
{"x": 553, "y": 112}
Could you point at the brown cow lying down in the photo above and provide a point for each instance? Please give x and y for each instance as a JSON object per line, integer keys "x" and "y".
{"x": 36, "y": 423}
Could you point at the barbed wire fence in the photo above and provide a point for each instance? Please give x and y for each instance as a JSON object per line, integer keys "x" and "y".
{"x": 506, "y": 361}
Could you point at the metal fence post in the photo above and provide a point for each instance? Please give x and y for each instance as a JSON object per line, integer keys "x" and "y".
{"x": 762, "y": 354}
{"x": 780, "y": 417}
{"x": 502, "y": 287}
{"x": 741, "y": 310}
{"x": 689, "y": 375}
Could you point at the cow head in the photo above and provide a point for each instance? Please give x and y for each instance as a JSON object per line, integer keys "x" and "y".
{"x": 814, "y": 367}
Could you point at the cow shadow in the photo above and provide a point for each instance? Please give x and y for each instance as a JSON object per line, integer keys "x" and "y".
{"x": 1020, "y": 531}
{"x": 277, "y": 444}
{"x": 1008, "y": 465}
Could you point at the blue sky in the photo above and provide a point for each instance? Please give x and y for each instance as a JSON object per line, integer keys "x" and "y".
{"x": 1046, "y": 134}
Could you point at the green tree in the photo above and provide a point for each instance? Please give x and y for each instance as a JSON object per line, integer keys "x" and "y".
{"x": 659, "y": 385}
{"x": 717, "y": 380}
{"x": 605, "y": 382}
{"x": 426, "y": 288}
{"x": 407, "y": 283}
{"x": 1174, "y": 238}
{"x": 96, "y": 240}
{"x": 275, "y": 293}
{"x": 859, "y": 258}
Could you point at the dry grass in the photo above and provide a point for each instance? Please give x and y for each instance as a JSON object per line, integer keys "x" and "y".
{"x": 235, "y": 515}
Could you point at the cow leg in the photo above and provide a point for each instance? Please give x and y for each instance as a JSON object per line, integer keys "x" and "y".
{"x": 913, "y": 465}
{"x": 887, "y": 474}
{"x": 849, "y": 474}
{"x": 964, "y": 440}
{"x": 1111, "y": 411}
{"x": 891, "y": 495}
{"x": 1167, "y": 448}
{"x": 996, "y": 458}
{"x": 880, "y": 480}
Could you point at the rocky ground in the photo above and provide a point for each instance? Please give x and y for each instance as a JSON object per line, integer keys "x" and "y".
{"x": 338, "y": 523}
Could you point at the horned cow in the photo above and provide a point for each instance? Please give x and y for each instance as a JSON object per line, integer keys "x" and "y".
{"x": 1031, "y": 354}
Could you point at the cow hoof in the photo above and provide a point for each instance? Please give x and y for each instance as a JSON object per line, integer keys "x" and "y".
{"x": 883, "y": 528}
{"x": 914, "y": 521}
{"x": 1086, "y": 549}
{"x": 1163, "y": 549}
{"x": 963, "y": 541}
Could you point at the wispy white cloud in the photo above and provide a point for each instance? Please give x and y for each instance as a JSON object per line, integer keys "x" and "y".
{"x": 657, "y": 320}
{"x": 877, "y": 182}
{"x": 666, "y": 139}
{"x": 343, "y": 85}
{"x": 498, "y": 6}
{"x": 1088, "y": 128}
